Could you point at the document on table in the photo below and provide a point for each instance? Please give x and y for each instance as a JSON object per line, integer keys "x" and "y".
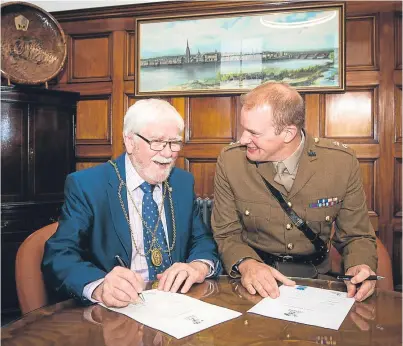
{"x": 307, "y": 305}
{"x": 176, "y": 314}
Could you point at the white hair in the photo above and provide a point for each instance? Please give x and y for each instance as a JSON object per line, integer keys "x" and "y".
{"x": 145, "y": 112}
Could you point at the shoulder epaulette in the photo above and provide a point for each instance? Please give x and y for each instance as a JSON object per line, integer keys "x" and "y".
{"x": 233, "y": 145}
{"x": 333, "y": 144}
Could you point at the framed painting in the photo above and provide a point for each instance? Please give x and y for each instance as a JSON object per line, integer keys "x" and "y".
{"x": 233, "y": 52}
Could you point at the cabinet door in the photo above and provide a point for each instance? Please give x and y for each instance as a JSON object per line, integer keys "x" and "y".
{"x": 14, "y": 120}
{"x": 51, "y": 151}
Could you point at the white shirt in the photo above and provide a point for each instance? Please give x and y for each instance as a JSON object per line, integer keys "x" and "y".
{"x": 139, "y": 262}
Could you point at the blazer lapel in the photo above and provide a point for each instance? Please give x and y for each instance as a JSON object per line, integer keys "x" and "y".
{"x": 168, "y": 217}
{"x": 306, "y": 167}
{"x": 119, "y": 221}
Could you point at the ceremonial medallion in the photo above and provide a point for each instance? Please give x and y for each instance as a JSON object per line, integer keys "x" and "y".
{"x": 156, "y": 257}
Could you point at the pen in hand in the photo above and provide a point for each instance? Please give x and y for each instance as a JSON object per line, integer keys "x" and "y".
{"x": 349, "y": 277}
{"x": 122, "y": 263}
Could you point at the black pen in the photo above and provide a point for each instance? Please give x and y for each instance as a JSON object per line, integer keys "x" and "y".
{"x": 122, "y": 263}
{"x": 349, "y": 277}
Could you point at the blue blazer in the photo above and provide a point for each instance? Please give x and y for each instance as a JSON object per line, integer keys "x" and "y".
{"x": 93, "y": 229}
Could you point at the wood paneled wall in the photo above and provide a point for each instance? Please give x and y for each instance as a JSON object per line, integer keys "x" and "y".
{"x": 367, "y": 116}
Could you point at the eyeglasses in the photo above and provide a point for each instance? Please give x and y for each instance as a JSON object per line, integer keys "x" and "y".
{"x": 157, "y": 145}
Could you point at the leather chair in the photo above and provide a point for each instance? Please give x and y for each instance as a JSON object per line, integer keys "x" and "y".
{"x": 384, "y": 262}
{"x": 31, "y": 289}
{"x": 384, "y": 265}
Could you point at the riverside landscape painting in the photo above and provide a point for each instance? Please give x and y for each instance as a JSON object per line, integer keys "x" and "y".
{"x": 234, "y": 53}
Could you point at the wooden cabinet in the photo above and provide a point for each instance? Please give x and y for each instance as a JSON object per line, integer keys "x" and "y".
{"x": 37, "y": 152}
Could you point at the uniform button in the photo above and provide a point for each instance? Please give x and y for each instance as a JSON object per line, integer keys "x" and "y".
{"x": 289, "y": 204}
{"x": 288, "y": 226}
{"x": 247, "y": 212}
{"x": 316, "y": 139}
{"x": 327, "y": 218}
{"x": 290, "y": 246}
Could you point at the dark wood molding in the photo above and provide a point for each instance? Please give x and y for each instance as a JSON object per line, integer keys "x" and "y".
{"x": 397, "y": 195}
{"x": 215, "y": 139}
{"x": 171, "y": 8}
{"x": 128, "y": 74}
{"x": 71, "y": 61}
{"x": 108, "y": 139}
{"x": 373, "y": 139}
{"x": 398, "y": 40}
{"x": 374, "y": 44}
{"x": 91, "y": 152}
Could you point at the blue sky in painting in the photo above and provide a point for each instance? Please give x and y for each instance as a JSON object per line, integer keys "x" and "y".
{"x": 252, "y": 33}
{"x": 298, "y": 17}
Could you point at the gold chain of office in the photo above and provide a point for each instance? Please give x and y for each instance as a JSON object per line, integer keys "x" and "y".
{"x": 155, "y": 248}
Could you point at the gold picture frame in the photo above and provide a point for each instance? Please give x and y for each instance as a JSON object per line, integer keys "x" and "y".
{"x": 234, "y": 51}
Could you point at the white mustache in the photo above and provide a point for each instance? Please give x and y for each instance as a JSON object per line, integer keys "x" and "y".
{"x": 162, "y": 159}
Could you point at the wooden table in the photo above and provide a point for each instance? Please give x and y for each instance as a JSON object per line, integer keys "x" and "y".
{"x": 377, "y": 321}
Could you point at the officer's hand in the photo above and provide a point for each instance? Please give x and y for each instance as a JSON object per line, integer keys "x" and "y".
{"x": 120, "y": 287}
{"x": 182, "y": 273}
{"x": 360, "y": 273}
{"x": 262, "y": 278}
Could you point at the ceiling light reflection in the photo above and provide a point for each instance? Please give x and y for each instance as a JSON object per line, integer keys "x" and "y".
{"x": 296, "y": 25}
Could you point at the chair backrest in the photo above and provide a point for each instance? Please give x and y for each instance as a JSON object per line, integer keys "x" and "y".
{"x": 31, "y": 289}
{"x": 384, "y": 262}
{"x": 206, "y": 206}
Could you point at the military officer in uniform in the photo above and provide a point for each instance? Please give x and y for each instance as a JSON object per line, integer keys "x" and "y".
{"x": 319, "y": 179}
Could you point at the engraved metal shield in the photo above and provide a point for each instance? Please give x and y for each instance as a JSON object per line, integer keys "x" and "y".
{"x": 33, "y": 45}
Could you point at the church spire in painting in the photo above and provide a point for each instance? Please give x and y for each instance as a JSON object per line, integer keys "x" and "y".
{"x": 187, "y": 52}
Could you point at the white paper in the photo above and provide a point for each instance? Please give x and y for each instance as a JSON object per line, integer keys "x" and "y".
{"x": 308, "y": 305}
{"x": 176, "y": 314}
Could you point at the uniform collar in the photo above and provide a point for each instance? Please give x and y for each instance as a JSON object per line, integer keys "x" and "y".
{"x": 291, "y": 162}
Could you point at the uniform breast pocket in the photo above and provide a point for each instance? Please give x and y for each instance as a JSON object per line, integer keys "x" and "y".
{"x": 254, "y": 218}
{"x": 320, "y": 220}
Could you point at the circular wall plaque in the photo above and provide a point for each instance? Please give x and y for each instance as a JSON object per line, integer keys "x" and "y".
{"x": 33, "y": 45}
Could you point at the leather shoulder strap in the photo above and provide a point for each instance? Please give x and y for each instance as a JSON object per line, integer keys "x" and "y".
{"x": 319, "y": 244}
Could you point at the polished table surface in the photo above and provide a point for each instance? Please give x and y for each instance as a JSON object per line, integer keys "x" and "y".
{"x": 377, "y": 321}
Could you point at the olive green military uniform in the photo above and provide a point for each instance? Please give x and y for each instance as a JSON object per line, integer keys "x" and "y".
{"x": 327, "y": 188}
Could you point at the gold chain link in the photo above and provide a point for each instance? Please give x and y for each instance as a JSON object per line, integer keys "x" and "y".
{"x": 153, "y": 233}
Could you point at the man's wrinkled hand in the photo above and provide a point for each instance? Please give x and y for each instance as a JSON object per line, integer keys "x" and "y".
{"x": 261, "y": 278}
{"x": 360, "y": 273}
{"x": 182, "y": 273}
{"x": 120, "y": 287}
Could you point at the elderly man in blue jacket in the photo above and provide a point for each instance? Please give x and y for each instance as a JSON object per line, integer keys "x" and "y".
{"x": 132, "y": 220}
